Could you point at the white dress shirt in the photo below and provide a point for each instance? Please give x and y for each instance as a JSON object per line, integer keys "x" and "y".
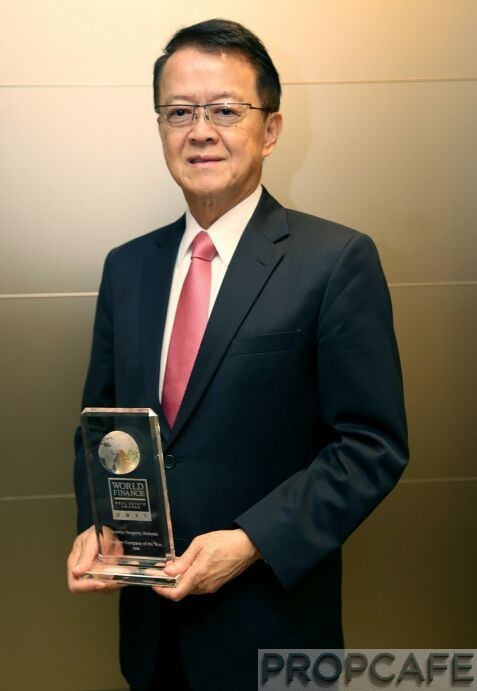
{"x": 225, "y": 234}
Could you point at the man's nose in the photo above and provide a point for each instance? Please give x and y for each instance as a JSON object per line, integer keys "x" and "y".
{"x": 201, "y": 127}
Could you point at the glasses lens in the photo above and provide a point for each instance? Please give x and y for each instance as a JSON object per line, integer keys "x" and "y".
{"x": 177, "y": 116}
{"x": 226, "y": 114}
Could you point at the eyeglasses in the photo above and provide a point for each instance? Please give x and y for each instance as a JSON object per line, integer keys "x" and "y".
{"x": 221, "y": 114}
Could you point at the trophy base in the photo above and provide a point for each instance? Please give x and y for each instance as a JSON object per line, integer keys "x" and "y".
{"x": 133, "y": 573}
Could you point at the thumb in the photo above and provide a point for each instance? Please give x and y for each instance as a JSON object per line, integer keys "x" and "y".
{"x": 85, "y": 554}
{"x": 182, "y": 563}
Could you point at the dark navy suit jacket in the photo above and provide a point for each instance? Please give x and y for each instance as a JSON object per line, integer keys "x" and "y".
{"x": 292, "y": 427}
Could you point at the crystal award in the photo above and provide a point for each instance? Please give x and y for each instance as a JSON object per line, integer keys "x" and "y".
{"x": 127, "y": 485}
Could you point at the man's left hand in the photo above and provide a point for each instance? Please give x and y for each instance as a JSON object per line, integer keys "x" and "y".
{"x": 210, "y": 561}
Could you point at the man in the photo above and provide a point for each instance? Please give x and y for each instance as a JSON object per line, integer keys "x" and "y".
{"x": 285, "y": 427}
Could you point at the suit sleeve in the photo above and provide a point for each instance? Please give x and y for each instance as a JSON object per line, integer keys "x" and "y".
{"x": 311, "y": 514}
{"x": 99, "y": 389}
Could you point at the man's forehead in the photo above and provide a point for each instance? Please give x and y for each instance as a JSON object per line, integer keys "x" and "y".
{"x": 225, "y": 73}
{"x": 216, "y": 96}
{"x": 197, "y": 54}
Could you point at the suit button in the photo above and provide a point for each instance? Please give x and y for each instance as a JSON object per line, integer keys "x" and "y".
{"x": 169, "y": 461}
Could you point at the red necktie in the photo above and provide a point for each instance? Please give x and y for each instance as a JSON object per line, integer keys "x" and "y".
{"x": 189, "y": 325}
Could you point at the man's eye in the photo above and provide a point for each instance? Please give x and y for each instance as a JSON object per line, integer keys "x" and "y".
{"x": 179, "y": 113}
{"x": 225, "y": 111}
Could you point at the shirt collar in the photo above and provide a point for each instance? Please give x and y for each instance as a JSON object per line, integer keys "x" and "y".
{"x": 225, "y": 232}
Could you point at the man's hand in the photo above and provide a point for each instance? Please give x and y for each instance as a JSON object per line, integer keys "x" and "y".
{"x": 80, "y": 560}
{"x": 210, "y": 561}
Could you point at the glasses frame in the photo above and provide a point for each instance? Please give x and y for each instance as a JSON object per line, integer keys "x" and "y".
{"x": 205, "y": 106}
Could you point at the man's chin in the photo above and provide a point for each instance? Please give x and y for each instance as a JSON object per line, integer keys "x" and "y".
{"x": 205, "y": 189}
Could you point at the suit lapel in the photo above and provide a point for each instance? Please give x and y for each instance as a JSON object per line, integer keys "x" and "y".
{"x": 253, "y": 262}
{"x": 156, "y": 283}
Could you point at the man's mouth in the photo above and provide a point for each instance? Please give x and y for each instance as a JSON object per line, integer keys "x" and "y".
{"x": 203, "y": 160}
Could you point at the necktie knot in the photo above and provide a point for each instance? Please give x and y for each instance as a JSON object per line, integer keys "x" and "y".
{"x": 203, "y": 247}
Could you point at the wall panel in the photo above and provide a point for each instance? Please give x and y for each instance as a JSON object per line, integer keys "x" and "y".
{"x": 85, "y": 173}
{"x": 115, "y": 41}
{"x": 45, "y": 349}
{"x": 392, "y": 160}
{"x": 53, "y": 641}
{"x": 437, "y": 334}
{"x": 410, "y": 570}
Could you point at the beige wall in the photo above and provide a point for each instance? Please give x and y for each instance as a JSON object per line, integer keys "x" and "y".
{"x": 380, "y": 107}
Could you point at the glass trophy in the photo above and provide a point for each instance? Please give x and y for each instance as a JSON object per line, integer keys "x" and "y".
{"x": 127, "y": 485}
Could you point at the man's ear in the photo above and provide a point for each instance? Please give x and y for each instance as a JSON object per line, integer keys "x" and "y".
{"x": 273, "y": 127}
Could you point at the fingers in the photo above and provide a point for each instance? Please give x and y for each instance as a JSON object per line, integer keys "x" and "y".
{"x": 186, "y": 566}
{"x": 186, "y": 586}
{"x": 212, "y": 560}
{"x": 182, "y": 563}
{"x": 79, "y": 561}
{"x": 82, "y": 557}
{"x": 84, "y": 553}
{"x": 86, "y": 585}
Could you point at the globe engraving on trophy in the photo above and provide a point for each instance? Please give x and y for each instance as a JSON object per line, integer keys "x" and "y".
{"x": 119, "y": 453}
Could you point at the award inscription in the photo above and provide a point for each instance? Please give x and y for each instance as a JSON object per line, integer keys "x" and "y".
{"x": 129, "y": 500}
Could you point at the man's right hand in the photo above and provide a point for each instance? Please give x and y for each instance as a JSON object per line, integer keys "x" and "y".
{"x": 80, "y": 560}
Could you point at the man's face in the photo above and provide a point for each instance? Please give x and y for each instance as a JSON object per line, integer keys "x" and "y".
{"x": 210, "y": 162}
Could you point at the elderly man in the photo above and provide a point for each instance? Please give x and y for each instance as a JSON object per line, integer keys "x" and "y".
{"x": 263, "y": 339}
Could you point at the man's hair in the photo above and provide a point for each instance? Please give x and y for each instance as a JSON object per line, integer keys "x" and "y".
{"x": 215, "y": 35}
